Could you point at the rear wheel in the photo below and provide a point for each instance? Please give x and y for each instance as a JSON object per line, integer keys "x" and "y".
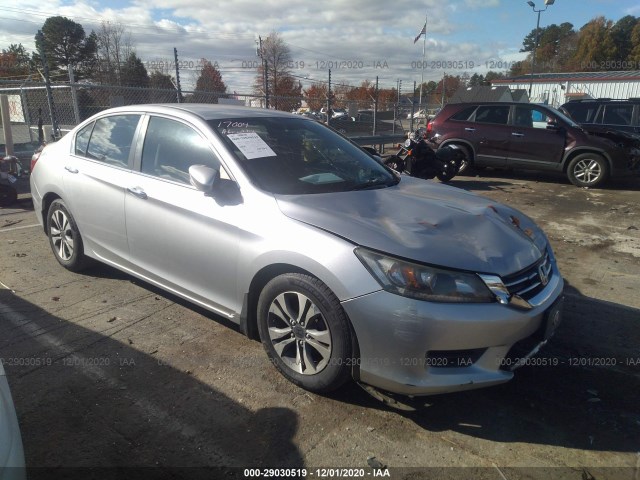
{"x": 305, "y": 332}
{"x": 588, "y": 170}
{"x": 64, "y": 237}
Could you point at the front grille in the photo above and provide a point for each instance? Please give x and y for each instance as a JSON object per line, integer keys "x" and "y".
{"x": 530, "y": 281}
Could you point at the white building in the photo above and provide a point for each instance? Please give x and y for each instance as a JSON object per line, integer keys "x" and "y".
{"x": 558, "y": 88}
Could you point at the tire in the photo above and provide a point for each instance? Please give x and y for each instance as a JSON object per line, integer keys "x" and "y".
{"x": 466, "y": 167}
{"x": 64, "y": 237}
{"x": 449, "y": 172}
{"x": 588, "y": 170}
{"x": 305, "y": 332}
{"x": 396, "y": 163}
{"x": 8, "y": 195}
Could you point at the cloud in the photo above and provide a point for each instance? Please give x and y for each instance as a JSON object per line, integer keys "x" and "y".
{"x": 482, "y": 3}
{"x": 353, "y": 38}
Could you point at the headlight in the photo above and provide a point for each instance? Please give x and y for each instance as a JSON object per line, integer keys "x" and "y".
{"x": 423, "y": 282}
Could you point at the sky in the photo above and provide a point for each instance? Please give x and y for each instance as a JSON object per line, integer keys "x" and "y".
{"x": 357, "y": 39}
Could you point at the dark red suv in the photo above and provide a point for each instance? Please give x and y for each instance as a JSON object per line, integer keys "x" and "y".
{"x": 527, "y": 136}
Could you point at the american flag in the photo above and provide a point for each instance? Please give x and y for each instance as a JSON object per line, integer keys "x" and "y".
{"x": 422, "y": 32}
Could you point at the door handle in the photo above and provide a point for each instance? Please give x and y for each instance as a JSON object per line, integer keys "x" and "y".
{"x": 516, "y": 134}
{"x": 469, "y": 129}
{"x": 71, "y": 169}
{"x": 138, "y": 192}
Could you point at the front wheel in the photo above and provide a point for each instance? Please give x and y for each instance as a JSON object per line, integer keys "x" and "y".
{"x": 396, "y": 163}
{"x": 588, "y": 170}
{"x": 450, "y": 169}
{"x": 64, "y": 237}
{"x": 305, "y": 332}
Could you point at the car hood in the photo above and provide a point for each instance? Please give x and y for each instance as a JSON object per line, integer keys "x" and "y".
{"x": 426, "y": 222}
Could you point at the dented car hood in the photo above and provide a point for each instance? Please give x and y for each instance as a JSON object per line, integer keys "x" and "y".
{"x": 426, "y": 222}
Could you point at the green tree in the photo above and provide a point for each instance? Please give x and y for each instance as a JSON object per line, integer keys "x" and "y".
{"x": 65, "y": 43}
{"x": 134, "y": 73}
{"x": 634, "y": 55}
{"x": 621, "y": 34}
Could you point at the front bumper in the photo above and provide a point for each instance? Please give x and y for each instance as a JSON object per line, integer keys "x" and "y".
{"x": 413, "y": 347}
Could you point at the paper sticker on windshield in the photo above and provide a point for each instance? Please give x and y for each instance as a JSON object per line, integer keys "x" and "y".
{"x": 251, "y": 145}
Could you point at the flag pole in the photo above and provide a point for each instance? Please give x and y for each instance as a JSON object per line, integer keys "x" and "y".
{"x": 424, "y": 44}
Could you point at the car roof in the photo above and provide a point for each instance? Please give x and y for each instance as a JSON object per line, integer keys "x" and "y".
{"x": 206, "y": 111}
{"x": 491, "y": 104}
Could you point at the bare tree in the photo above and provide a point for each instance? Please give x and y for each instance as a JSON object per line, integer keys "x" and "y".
{"x": 114, "y": 48}
{"x": 276, "y": 56}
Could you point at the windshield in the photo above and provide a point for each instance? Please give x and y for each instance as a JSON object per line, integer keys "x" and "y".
{"x": 298, "y": 156}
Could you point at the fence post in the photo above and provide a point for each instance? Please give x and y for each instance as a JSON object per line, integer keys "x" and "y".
{"x": 47, "y": 82}
{"x": 179, "y": 90}
{"x": 25, "y": 109}
{"x": 74, "y": 96}
{"x": 6, "y": 124}
{"x": 413, "y": 105}
{"x": 329, "y": 100}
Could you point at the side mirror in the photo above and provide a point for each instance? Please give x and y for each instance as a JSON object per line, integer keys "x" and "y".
{"x": 203, "y": 177}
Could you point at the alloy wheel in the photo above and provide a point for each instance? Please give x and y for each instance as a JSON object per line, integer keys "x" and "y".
{"x": 299, "y": 333}
{"x": 62, "y": 235}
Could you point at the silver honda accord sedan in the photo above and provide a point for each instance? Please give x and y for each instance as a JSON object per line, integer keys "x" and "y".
{"x": 341, "y": 267}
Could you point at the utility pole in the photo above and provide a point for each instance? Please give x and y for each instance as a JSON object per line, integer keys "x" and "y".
{"x": 397, "y": 108}
{"x": 265, "y": 74}
{"x": 179, "y": 90}
{"x": 375, "y": 107}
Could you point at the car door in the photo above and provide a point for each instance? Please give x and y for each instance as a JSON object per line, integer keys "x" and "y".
{"x": 489, "y": 134}
{"x": 178, "y": 237}
{"x": 535, "y": 143}
{"x": 95, "y": 176}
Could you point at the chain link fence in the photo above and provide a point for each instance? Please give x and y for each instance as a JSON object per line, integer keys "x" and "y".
{"x": 33, "y": 113}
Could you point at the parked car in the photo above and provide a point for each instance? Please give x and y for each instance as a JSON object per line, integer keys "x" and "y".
{"x": 12, "y": 466}
{"x": 527, "y": 136}
{"x": 615, "y": 120}
{"x": 342, "y": 267}
{"x": 605, "y": 113}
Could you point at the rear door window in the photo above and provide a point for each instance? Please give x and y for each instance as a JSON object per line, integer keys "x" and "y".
{"x": 618, "y": 114}
{"x": 111, "y": 139}
{"x": 498, "y": 114}
{"x": 463, "y": 114}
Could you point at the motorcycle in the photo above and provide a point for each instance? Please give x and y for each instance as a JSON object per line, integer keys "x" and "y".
{"x": 417, "y": 159}
{"x": 12, "y": 178}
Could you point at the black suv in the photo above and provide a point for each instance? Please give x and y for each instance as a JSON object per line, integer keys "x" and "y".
{"x": 527, "y": 136}
{"x": 603, "y": 112}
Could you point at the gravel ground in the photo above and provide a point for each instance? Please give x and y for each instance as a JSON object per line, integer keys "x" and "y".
{"x": 107, "y": 371}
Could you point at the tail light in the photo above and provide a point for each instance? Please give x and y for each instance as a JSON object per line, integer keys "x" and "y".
{"x": 429, "y": 127}
{"x": 34, "y": 158}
